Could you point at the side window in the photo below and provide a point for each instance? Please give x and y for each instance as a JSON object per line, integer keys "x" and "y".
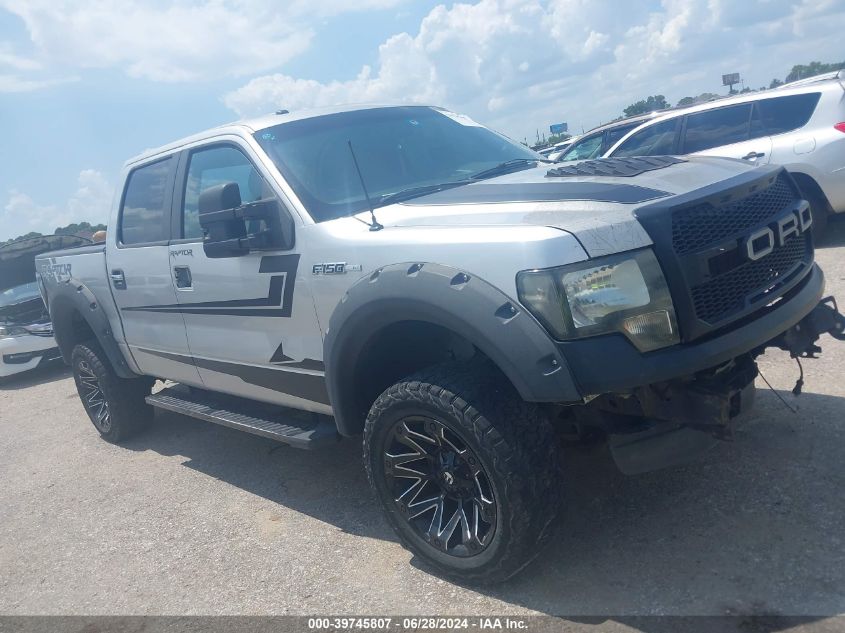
{"x": 654, "y": 140}
{"x": 143, "y": 216}
{"x": 213, "y": 166}
{"x": 713, "y": 128}
{"x": 617, "y": 133}
{"x": 784, "y": 114}
{"x": 585, "y": 148}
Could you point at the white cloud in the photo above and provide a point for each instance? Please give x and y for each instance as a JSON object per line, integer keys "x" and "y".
{"x": 517, "y": 64}
{"x": 92, "y": 200}
{"x": 89, "y": 203}
{"x": 16, "y": 83}
{"x": 12, "y": 65}
{"x": 182, "y": 41}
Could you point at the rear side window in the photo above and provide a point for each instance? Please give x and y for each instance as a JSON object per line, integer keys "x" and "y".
{"x": 589, "y": 147}
{"x": 713, "y": 128}
{"x": 143, "y": 215}
{"x": 784, "y": 114}
{"x": 654, "y": 140}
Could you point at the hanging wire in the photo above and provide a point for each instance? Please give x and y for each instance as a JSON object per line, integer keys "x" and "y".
{"x": 785, "y": 403}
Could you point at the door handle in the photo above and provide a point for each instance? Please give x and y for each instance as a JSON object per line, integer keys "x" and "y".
{"x": 182, "y": 274}
{"x": 753, "y": 155}
{"x": 118, "y": 279}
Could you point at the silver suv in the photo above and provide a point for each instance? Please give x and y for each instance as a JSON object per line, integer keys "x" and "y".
{"x": 800, "y": 125}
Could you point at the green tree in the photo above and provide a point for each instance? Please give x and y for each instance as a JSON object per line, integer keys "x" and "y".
{"x": 812, "y": 69}
{"x": 703, "y": 97}
{"x": 558, "y": 138}
{"x": 22, "y": 237}
{"x": 650, "y": 104}
{"x": 775, "y": 83}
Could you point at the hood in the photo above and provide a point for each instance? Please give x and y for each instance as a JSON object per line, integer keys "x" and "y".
{"x": 596, "y": 209}
{"x": 17, "y": 259}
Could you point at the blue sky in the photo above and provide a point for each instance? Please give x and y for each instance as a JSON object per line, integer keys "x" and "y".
{"x": 85, "y": 85}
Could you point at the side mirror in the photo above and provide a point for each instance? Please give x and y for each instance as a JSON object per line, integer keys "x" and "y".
{"x": 233, "y": 229}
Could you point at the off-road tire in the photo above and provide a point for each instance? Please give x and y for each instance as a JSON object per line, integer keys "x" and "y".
{"x": 512, "y": 439}
{"x": 123, "y": 398}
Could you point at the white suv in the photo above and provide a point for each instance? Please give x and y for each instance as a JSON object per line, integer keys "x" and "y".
{"x": 800, "y": 125}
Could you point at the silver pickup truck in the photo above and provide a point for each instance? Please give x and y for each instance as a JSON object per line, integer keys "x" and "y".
{"x": 406, "y": 274}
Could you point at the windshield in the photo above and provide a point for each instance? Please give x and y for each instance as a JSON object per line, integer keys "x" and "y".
{"x": 19, "y": 294}
{"x": 397, "y": 148}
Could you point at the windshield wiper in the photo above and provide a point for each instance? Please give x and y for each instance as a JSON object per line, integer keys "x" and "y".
{"x": 414, "y": 192}
{"x": 505, "y": 167}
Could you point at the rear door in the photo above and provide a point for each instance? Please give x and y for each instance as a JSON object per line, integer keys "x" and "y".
{"x": 251, "y": 321}
{"x": 138, "y": 262}
{"x": 732, "y": 131}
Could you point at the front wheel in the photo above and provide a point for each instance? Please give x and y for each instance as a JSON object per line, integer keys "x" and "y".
{"x": 467, "y": 473}
{"x": 115, "y": 405}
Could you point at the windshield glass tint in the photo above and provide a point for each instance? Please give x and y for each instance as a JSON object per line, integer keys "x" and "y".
{"x": 397, "y": 148}
{"x": 26, "y": 292}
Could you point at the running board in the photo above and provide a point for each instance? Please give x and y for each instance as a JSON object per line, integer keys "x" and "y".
{"x": 299, "y": 429}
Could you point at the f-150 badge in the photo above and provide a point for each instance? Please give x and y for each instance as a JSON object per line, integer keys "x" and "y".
{"x": 334, "y": 268}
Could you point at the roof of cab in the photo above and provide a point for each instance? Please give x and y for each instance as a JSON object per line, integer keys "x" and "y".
{"x": 256, "y": 124}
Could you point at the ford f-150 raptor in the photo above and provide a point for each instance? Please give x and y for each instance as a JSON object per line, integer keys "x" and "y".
{"x": 408, "y": 275}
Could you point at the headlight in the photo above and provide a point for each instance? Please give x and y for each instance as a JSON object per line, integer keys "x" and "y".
{"x": 622, "y": 293}
{"x": 8, "y": 331}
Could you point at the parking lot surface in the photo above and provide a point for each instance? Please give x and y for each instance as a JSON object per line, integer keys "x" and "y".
{"x": 191, "y": 518}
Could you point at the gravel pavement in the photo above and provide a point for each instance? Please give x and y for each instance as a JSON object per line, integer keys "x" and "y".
{"x": 192, "y": 518}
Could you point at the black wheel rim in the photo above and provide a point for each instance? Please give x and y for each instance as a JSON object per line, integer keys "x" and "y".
{"x": 93, "y": 397}
{"x": 439, "y": 486}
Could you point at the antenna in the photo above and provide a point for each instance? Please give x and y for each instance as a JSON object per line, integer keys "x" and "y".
{"x": 375, "y": 226}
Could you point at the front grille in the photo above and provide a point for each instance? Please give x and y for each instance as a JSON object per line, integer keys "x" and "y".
{"x": 700, "y": 239}
{"x": 704, "y": 225}
{"x": 726, "y": 294}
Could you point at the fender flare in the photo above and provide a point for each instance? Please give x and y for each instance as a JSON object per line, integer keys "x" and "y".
{"x": 74, "y": 297}
{"x": 456, "y": 300}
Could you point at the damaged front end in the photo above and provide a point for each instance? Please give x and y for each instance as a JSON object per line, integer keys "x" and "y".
{"x": 26, "y": 334}
{"x": 667, "y": 423}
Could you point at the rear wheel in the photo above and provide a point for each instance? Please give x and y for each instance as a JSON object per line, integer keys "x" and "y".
{"x": 467, "y": 473}
{"x": 115, "y": 405}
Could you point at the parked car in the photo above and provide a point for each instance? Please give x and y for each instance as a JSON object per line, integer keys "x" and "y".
{"x": 560, "y": 148}
{"x": 800, "y": 125}
{"x": 26, "y": 334}
{"x": 598, "y": 140}
{"x": 407, "y": 275}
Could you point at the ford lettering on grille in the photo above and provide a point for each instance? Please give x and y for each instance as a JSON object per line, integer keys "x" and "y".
{"x": 791, "y": 224}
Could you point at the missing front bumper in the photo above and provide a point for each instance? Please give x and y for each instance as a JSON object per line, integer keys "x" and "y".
{"x": 668, "y": 423}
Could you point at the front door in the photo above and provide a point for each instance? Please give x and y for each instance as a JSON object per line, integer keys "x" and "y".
{"x": 139, "y": 273}
{"x": 251, "y": 321}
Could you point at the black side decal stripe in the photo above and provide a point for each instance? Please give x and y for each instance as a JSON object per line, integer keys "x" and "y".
{"x": 299, "y": 385}
{"x": 279, "y": 358}
{"x": 277, "y": 303}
